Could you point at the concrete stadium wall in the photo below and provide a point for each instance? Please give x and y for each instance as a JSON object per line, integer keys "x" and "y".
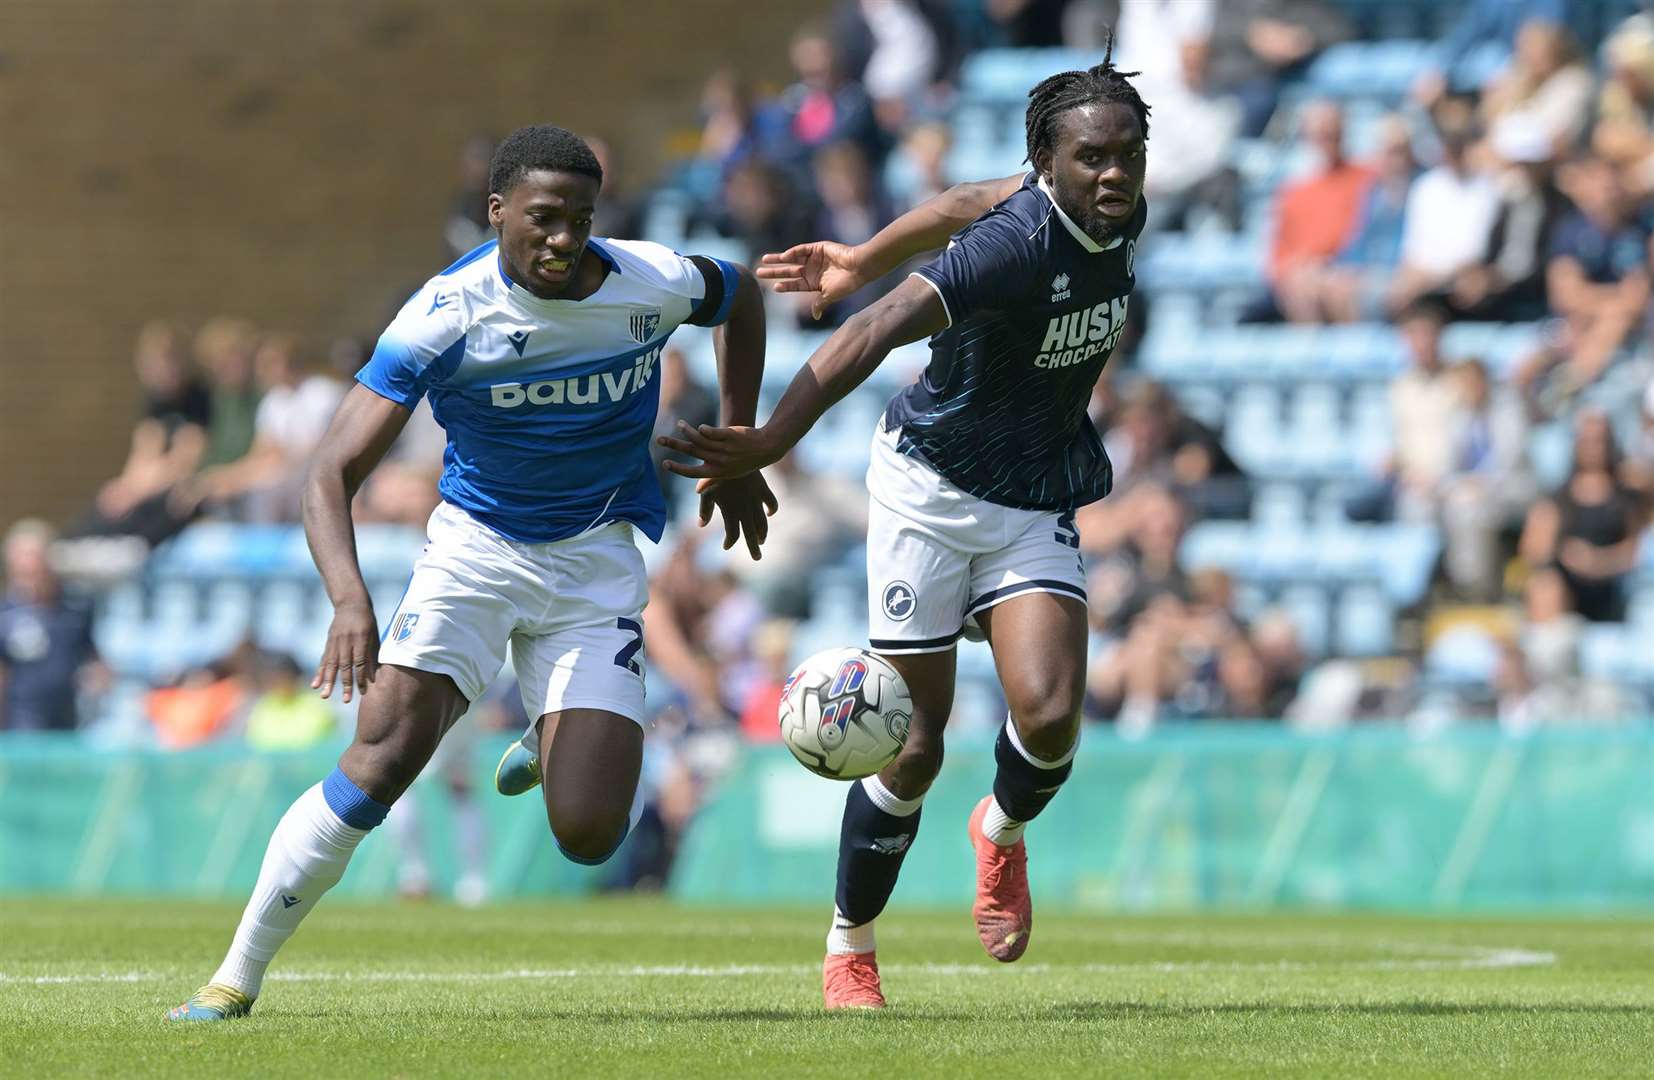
{"x": 289, "y": 161}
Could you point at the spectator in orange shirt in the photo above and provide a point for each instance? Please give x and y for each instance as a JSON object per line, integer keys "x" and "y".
{"x": 1314, "y": 217}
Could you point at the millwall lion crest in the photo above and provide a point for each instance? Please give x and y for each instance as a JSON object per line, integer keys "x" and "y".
{"x": 644, "y": 323}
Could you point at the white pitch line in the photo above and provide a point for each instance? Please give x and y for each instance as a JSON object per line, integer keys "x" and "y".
{"x": 1481, "y": 959}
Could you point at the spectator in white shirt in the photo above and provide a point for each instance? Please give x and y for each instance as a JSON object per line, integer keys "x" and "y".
{"x": 1150, "y": 35}
{"x": 1449, "y": 215}
{"x": 1545, "y": 89}
{"x": 1195, "y": 134}
{"x": 293, "y": 415}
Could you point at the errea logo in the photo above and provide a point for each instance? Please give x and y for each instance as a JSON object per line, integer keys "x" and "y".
{"x": 1059, "y": 288}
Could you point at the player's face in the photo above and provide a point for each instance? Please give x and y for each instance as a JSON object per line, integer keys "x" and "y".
{"x": 1096, "y": 167}
{"x": 544, "y": 223}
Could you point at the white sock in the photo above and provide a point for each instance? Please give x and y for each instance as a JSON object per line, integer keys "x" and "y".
{"x": 306, "y": 857}
{"x": 886, "y": 800}
{"x": 1000, "y": 827}
{"x": 843, "y": 938}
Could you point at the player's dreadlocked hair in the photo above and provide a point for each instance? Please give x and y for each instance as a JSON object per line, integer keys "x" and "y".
{"x": 542, "y": 146}
{"x": 1069, "y": 89}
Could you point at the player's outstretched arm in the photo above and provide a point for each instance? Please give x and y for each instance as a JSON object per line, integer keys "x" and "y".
{"x": 834, "y": 271}
{"x": 913, "y": 310}
{"x": 362, "y": 430}
{"x": 745, "y": 502}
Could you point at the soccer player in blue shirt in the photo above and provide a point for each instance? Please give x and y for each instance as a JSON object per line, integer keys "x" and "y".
{"x": 539, "y": 354}
{"x": 977, "y": 470}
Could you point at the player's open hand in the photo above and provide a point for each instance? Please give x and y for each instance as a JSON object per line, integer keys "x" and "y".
{"x": 830, "y": 270}
{"x": 746, "y": 504}
{"x": 725, "y": 452}
{"x": 352, "y": 653}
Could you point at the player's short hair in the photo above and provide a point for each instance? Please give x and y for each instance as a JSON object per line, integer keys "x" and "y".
{"x": 540, "y": 146}
{"x": 1071, "y": 89}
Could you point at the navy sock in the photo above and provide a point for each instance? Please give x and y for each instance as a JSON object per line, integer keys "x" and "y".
{"x": 1021, "y": 787}
{"x": 872, "y": 844}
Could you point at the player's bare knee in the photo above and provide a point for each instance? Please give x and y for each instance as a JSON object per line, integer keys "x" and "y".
{"x": 588, "y": 839}
{"x": 1049, "y": 730}
{"x": 384, "y": 761}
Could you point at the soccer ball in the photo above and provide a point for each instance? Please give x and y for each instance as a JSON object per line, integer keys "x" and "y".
{"x": 845, "y": 713}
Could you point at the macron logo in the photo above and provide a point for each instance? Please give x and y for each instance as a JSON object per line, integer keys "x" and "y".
{"x": 288, "y": 901}
{"x": 600, "y": 388}
{"x": 518, "y": 339}
{"x": 440, "y": 301}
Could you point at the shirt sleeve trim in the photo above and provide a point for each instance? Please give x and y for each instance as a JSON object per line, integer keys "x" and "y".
{"x": 939, "y": 295}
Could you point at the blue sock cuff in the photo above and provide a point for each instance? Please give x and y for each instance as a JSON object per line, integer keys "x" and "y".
{"x": 601, "y": 859}
{"x": 354, "y": 806}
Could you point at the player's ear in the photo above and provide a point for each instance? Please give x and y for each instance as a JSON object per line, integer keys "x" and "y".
{"x": 1042, "y": 163}
{"x": 496, "y": 210}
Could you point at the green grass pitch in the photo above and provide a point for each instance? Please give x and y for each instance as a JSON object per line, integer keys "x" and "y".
{"x": 643, "y": 988}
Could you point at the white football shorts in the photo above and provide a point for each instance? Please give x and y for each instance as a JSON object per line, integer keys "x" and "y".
{"x": 937, "y": 555}
{"x": 570, "y": 611}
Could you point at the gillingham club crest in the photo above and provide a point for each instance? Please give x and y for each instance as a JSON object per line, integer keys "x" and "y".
{"x": 644, "y": 323}
{"x": 403, "y": 627}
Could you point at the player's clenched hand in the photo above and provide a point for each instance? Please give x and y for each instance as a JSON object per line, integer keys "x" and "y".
{"x": 746, "y": 504}
{"x": 832, "y": 270}
{"x": 352, "y": 652}
{"x": 725, "y": 452}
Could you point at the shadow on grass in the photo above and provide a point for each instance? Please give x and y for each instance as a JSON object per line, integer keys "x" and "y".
{"x": 1062, "y": 1012}
{"x": 1123, "y": 1010}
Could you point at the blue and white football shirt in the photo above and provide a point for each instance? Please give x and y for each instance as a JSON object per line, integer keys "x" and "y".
{"x": 549, "y": 405}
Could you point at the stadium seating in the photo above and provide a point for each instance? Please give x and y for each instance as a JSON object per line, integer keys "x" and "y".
{"x": 1304, "y": 410}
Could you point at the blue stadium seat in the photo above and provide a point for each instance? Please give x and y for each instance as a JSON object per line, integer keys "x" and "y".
{"x": 281, "y": 612}
{"x": 1251, "y": 600}
{"x": 1278, "y": 506}
{"x": 1226, "y": 545}
{"x": 1316, "y": 406}
{"x": 1640, "y": 608}
{"x": 228, "y": 614}
{"x": 1619, "y": 653}
{"x": 1370, "y": 407}
{"x": 1397, "y": 559}
{"x": 1462, "y": 656}
{"x": 980, "y": 160}
{"x": 1005, "y": 75}
{"x": 1551, "y": 452}
{"x": 1366, "y": 622}
{"x": 1311, "y": 613}
{"x": 1368, "y": 69}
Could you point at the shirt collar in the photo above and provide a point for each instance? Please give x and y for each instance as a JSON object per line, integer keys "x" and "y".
{"x": 603, "y": 255}
{"x": 1074, "y": 230}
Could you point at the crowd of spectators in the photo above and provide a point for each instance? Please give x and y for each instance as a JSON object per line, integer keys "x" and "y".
{"x": 1522, "y": 198}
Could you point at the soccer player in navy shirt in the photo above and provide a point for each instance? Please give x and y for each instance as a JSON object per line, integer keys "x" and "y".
{"x": 977, "y": 470}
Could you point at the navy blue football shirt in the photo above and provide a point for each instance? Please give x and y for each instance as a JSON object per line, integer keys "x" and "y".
{"x": 1035, "y": 307}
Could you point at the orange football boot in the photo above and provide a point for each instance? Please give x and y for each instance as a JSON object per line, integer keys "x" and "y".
{"x": 851, "y": 981}
{"x": 1004, "y": 913}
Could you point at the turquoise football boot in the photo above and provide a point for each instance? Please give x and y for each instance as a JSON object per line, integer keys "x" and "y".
{"x": 215, "y": 1001}
{"x": 519, "y": 767}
